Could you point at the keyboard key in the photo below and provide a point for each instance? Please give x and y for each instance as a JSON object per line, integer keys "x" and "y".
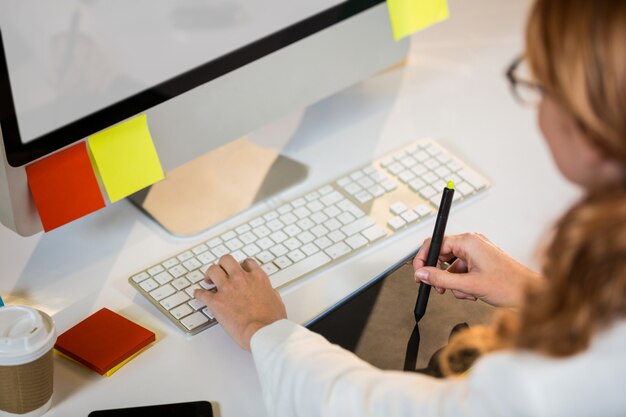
{"x": 214, "y": 242}
{"x": 319, "y": 230}
{"x": 429, "y": 177}
{"x": 251, "y": 250}
{"x": 333, "y": 224}
{"x": 416, "y": 184}
{"x": 305, "y": 224}
{"x": 395, "y": 168}
{"x": 315, "y": 206}
{"x": 162, "y": 292}
{"x": 471, "y": 178}
{"x": 261, "y": 231}
{"x": 337, "y": 250}
{"x": 336, "y": 236}
{"x": 349, "y": 206}
{"x": 140, "y": 277}
{"x": 163, "y": 278}
{"x": 275, "y": 225}
{"x": 279, "y": 250}
{"x": 243, "y": 229}
{"x": 282, "y": 262}
{"x": 200, "y": 249}
{"x": 258, "y": 221}
{"x": 185, "y": 255}
{"x": 178, "y": 271}
{"x": 265, "y": 243}
{"x": 196, "y": 304}
{"x": 374, "y": 233}
{"x": 406, "y": 176}
{"x": 332, "y": 211}
{"x": 357, "y": 226}
{"x": 296, "y": 255}
{"x": 408, "y": 161}
{"x": 270, "y": 269}
{"x": 228, "y": 236}
{"x": 363, "y": 197}
{"x": 366, "y": 182}
{"x": 331, "y": 198}
{"x": 431, "y": 164}
{"x": 342, "y": 182}
{"x": 148, "y": 285}
{"x": 292, "y": 243}
{"x": 279, "y": 236}
{"x": 356, "y": 175}
{"x": 181, "y": 311}
{"x": 421, "y": 156}
{"x": 398, "y": 208}
{"x": 353, "y": 188}
{"x": 288, "y": 218}
{"x": 427, "y": 192}
{"x": 389, "y": 184}
{"x": 292, "y": 230}
{"x": 157, "y": 269}
{"x": 195, "y": 276}
{"x": 356, "y": 241}
{"x": 192, "y": 264}
{"x": 194, "y": 320}
{"x": 190, "y": 290}
{"x": 208, "y": 313}
{"x": 181, "y": 283}
{"x": 234, "y": 244}
{"x": 346, "y": 218}
{"x": 319, "y": 218}
{"x": 268, "y": 217}
{"x": 284, "y": 209}
{"x": 299, "y": 269}
{"x": 423, "y": 210}
{"x": 396, "y": 222}
{"x": 302, "y": 212}
{"x": 443, "y": 172}
{"x": 239, "y": 256}
{"x": 323, "y": 242}
{"x": 248, "y": 238}
{"x": 376, "y": 190}
{"x": 264, "y": 257}
{"x": 306, "y": 237}
{"x": 174, "y": 300}
{"x": 206, "y": 258}
{"x": 409, "y": 216}
{"x": 326, "y": 189}
{"x": 170, "y": 263}
{"x": 419, "y": 170}
{"x": 309, "y": 249}
{"x": 314, "y": 195}
{"x": 464, "y": 188}
{"x": 219, "y": 251}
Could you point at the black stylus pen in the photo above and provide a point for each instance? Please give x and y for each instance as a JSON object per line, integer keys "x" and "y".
{"x": 435, "y": 247}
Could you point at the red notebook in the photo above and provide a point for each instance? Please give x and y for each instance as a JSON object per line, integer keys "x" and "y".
{"x": 104, "y": 341}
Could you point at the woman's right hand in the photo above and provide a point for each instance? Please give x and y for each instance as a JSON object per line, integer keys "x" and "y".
{"x": 481, "y": 271}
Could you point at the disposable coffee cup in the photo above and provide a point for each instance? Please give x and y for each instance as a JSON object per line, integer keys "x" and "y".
{"x": 27, "y": 337}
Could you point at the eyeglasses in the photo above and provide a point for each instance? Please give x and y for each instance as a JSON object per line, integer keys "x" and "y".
{"x": 524, "y": 89}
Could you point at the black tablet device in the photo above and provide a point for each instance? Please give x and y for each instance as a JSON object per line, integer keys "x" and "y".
{"x": 190, "y": 409}
{"x": 377, "y": 321}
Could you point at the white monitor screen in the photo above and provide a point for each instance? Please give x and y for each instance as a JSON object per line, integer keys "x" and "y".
{"x": 70, "y": 58}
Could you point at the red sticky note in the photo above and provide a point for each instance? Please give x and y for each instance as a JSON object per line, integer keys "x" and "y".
{"x": 103, "y": 341}
{"x": 64, "y": 187}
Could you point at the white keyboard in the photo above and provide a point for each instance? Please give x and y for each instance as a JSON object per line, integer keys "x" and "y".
{"x": 325, "y": 226}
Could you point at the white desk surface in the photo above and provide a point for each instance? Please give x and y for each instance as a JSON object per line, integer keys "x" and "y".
{"x": 451, "y": 88}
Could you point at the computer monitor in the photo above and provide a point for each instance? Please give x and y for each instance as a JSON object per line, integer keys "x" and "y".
{"x": 205, "y": 73}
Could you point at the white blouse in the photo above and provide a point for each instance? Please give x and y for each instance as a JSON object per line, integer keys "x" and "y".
{"x": 302, "y": 374}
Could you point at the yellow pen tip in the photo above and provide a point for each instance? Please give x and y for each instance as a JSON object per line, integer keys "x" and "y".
{"x": 451, "y": 185}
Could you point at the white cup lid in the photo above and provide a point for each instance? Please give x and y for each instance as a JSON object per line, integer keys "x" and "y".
{"x": 25, "y": 335}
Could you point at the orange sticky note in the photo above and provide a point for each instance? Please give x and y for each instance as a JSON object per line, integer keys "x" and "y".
{"x": 125, "y": 158}
{"x": 64, "y": 187}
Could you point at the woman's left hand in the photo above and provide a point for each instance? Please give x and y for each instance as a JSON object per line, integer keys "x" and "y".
{"x": 245, "y": 300}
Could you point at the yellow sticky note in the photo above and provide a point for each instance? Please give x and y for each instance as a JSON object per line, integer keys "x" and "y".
{"x": 125, "y": 158}
{"x": 408, "y": 16}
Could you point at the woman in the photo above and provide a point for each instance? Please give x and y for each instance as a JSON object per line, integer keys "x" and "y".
{"x": 564, "y": 352}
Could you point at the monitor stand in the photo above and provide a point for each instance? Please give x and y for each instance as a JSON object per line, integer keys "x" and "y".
{"x": 217, "y": 186}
